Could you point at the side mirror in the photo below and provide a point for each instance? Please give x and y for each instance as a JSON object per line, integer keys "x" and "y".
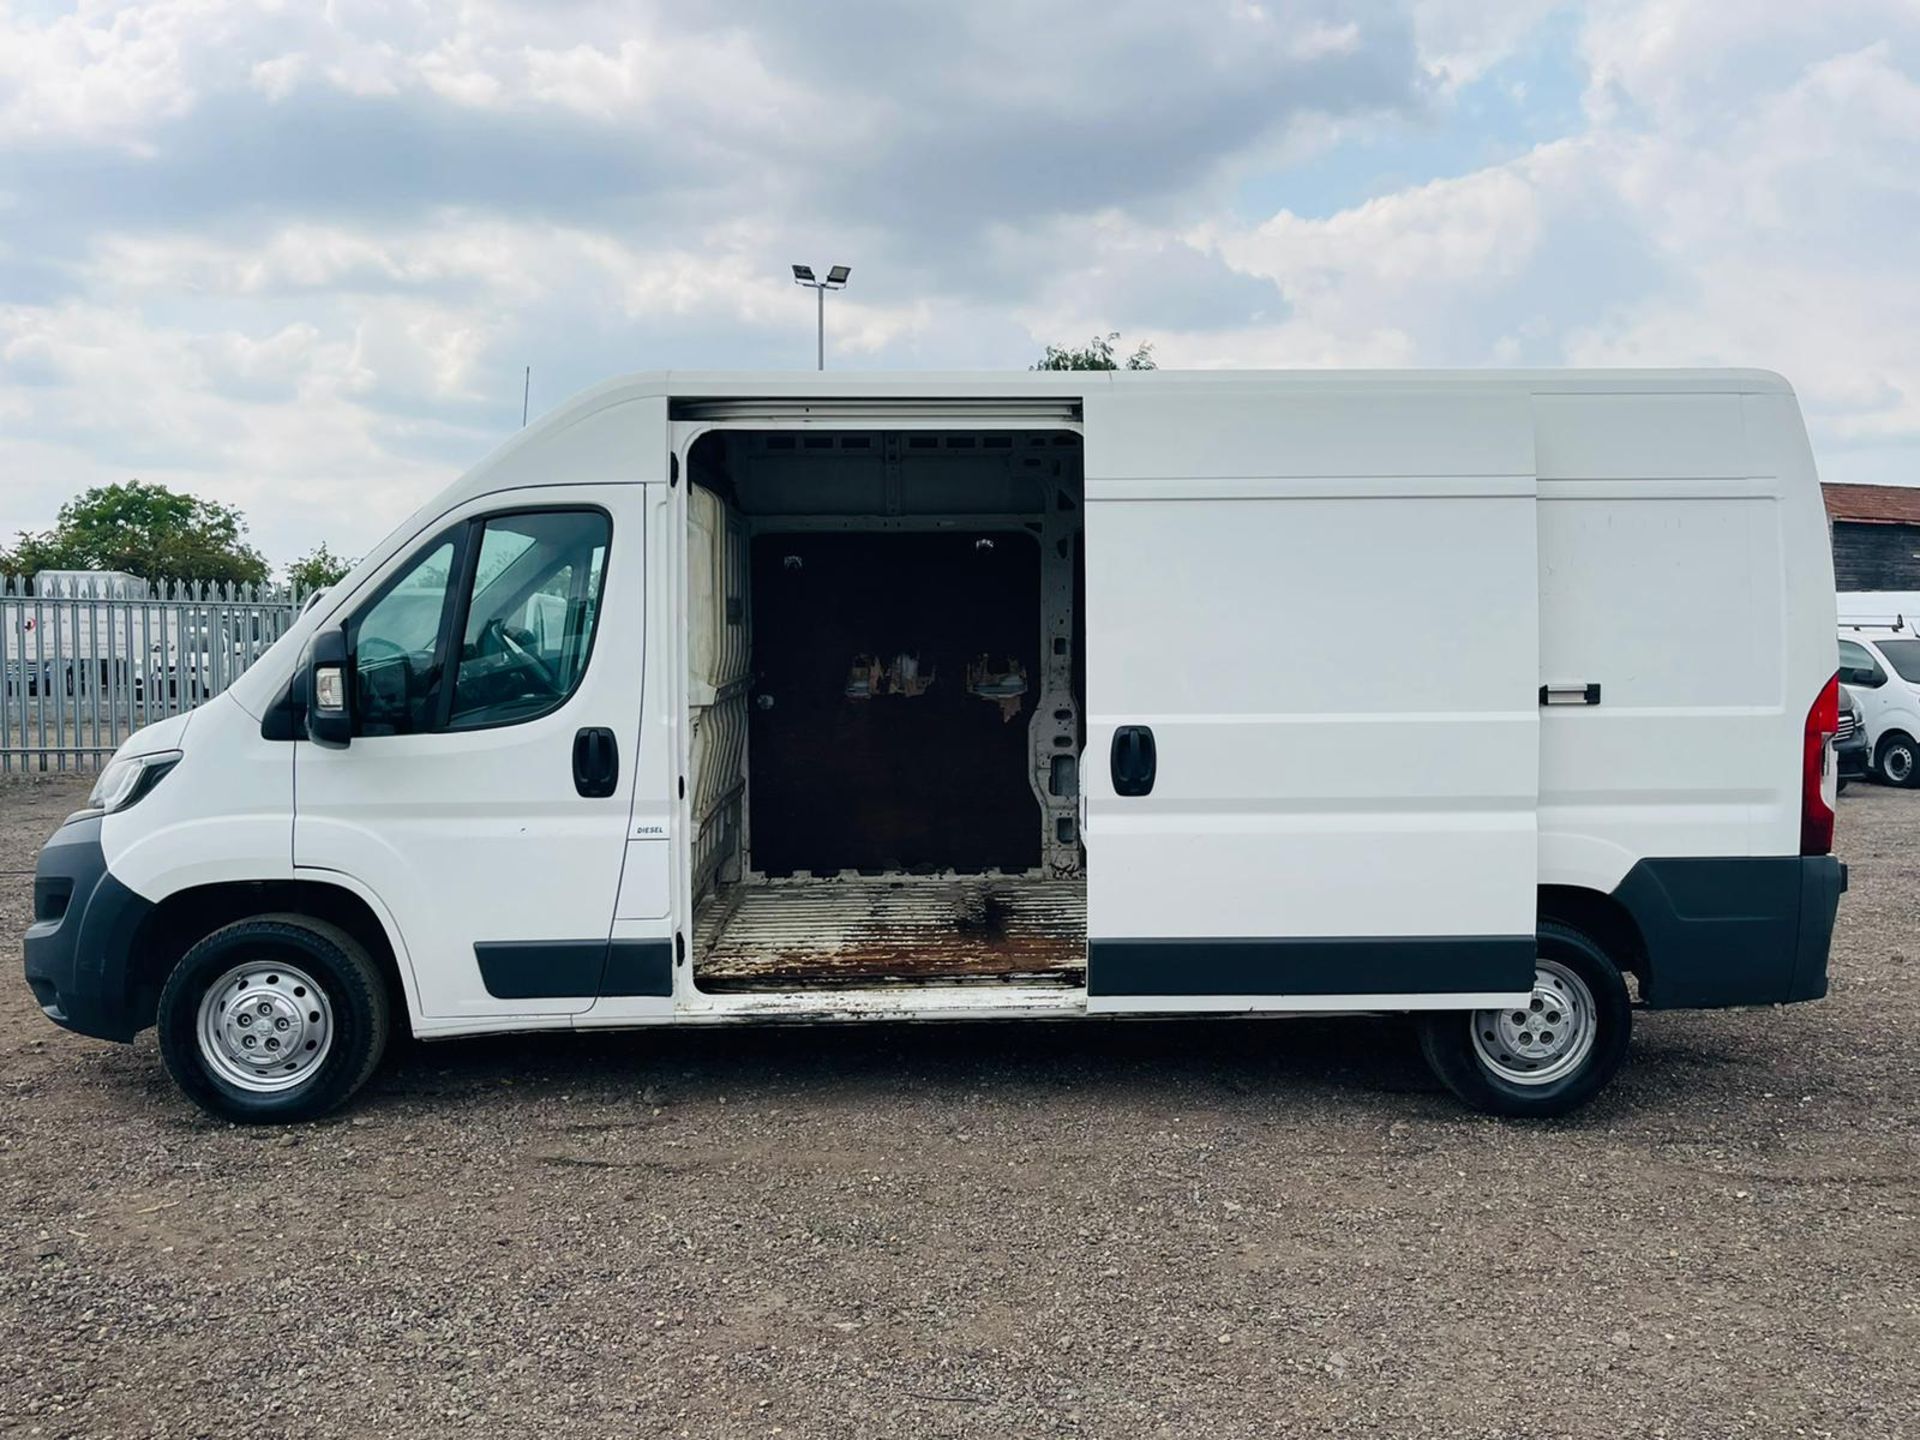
{"x": 330, "y": 689}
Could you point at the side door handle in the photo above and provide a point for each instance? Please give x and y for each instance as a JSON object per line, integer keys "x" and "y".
{"x": 1133, "y": 761}
{"x": 596, "y": 762}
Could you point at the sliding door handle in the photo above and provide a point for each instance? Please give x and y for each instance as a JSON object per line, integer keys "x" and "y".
{"x": 1133, "y": 760}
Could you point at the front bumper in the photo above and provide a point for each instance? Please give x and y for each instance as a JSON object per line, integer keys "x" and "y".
{"x": 1747, "y": 930}
{"x": 1850, "y": 757}
{"x": 80, "y": 947}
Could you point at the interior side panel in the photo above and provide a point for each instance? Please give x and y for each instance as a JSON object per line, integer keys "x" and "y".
{"x": 877, "y": 738}
{"x": 719, "y": 672}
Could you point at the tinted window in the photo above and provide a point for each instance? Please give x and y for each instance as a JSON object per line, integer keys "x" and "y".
{"x": 1904, "y": 656}
{"x": 1858, "y": 667}
{"x": 529, "y": 624}
{"x": 396, "y": 647}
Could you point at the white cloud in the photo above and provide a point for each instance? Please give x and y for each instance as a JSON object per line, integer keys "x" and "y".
{"x": 272, "y": 423}
{"x": 1460, "y": 40}
{"x": 1686, "y": 66}
{"x": 1472, "y": 232}
{"x": 95, "y": 75}
{"x": 1789, "y": 226}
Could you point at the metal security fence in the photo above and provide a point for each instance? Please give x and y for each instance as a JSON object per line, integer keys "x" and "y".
{"x": 85, "y": 660}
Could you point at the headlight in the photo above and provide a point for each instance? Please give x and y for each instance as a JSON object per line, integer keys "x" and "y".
{"x": 124, "y": 782}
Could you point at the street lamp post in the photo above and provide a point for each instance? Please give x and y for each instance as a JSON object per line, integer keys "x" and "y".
{"x": 836, "y": 278}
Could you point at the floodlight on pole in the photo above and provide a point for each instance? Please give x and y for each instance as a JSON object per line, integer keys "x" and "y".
{"x": 836, "y": 278}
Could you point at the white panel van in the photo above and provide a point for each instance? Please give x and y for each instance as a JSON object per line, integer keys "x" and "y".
{"x": 715, "y": 699}
{"x": 1880, "y": 664}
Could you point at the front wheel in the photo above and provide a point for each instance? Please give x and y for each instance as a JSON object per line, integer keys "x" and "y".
{"x": 273, "y": 1019}
{"x": 1896, "y": 760}
{"x": 1549, "y": 1056}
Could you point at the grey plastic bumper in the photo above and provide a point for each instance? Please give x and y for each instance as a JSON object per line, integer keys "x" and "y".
{"x": 1748, "y": 930}
{"x": 80, "y": 946}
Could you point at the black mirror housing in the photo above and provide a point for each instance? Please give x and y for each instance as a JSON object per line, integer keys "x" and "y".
{"x": 330, "y": 689}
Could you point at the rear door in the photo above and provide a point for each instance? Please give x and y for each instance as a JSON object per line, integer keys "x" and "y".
{"x": 1313, "y": 691}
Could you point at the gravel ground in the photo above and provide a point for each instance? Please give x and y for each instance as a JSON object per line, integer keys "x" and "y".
{"x": 1163, "y": 1229}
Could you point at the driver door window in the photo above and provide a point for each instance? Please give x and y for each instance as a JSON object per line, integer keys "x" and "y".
{"x": 530, "y": 622}
{"x": 522, "y": 593}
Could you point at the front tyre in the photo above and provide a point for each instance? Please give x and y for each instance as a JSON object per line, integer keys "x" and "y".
{"x": 273, "y": 1019}
{"x": 1549, "y": 1056}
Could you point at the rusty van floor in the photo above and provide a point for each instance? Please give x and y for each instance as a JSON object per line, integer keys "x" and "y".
{"x": 861, "y": 931}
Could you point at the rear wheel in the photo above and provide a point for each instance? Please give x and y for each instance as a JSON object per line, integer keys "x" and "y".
{"x": 1898, "y": 760}
{"x": 273, "y": 1019}
{"x": 1550, "y": 1055}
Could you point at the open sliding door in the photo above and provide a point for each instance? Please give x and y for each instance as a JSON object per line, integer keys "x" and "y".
{"x": 1312, "y": 682}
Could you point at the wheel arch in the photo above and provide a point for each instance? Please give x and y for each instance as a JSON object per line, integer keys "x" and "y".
{"x": 1603, "y": 918}
{"x": 187, "y": 916}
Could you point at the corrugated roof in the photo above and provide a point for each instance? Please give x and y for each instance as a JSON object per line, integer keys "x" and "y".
{"x": 1873, "y": 504}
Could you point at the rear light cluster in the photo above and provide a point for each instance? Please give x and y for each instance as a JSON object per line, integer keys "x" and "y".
{"x": 1816, "y": 773}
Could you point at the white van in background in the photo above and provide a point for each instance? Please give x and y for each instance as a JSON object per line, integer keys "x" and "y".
{"x": 83, "y": 631}
{"x": 1880, "y": 663}
{"x": 718, "y": 699}
{"x": 51, "y": 646}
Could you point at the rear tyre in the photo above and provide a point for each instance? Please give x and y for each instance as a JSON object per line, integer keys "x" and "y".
{"x": 1550, "y": 1056}
{"x": 273, "y": 1019}
{"x": 1898, "y": 760}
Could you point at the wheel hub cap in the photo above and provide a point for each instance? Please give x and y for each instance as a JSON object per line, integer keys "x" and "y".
{"x": 1548, "y": 1037}
{"x": 265, "y": 1027}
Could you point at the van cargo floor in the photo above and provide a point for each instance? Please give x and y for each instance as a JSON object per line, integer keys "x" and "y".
{"x": 893, "y": 930}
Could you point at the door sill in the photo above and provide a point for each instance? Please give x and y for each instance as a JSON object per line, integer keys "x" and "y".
{"x": 943, "y": 1002}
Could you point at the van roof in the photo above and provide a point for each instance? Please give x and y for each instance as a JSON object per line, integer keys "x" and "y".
{"x": 590, "y": 433}
{"x": 978, "y": 384}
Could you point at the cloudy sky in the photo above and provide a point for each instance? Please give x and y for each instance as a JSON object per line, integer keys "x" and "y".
{"x": 295, "y": 255}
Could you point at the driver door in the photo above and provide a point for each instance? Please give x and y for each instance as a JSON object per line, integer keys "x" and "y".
{"x": 483, "y": 800}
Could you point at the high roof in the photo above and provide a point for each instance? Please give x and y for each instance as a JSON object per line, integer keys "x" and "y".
{"x": 1873, "y": 504}
{"x": 783, "y": 383}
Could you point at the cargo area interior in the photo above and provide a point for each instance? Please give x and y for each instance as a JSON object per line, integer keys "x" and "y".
{"x": 886, "y": 673}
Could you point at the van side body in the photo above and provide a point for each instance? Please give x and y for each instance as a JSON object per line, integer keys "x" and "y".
{"x": 579, "y": 771}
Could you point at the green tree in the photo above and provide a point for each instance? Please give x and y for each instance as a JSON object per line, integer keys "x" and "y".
{"x": 1097, "y": 354}
{"x": 317, "y": 569}
{"x": 146, "y": 530}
